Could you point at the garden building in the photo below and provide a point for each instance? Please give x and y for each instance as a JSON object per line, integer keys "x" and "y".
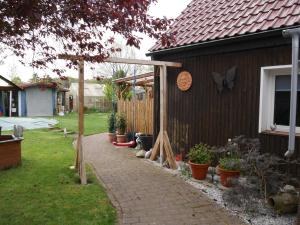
{"x": 237, "y": 74}
{"x": 31, "y": 99}
{"x": 94, "y": 97}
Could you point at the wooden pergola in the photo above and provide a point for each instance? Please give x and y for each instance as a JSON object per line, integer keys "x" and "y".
{"x": 145, "y": 79}
{"x": 162, "y": 143}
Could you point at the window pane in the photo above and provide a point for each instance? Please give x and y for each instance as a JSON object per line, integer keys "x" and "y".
{"x": 283, "y": 83}
{"x": 282, "y": 101}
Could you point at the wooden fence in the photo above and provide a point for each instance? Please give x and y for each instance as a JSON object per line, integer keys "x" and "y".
{"x": 138, "y": 113}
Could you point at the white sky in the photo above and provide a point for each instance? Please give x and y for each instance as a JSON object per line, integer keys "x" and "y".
{"x": 160, "y": 9}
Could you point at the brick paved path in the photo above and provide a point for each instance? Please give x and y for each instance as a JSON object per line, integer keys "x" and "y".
{"x": 146, "y": 194}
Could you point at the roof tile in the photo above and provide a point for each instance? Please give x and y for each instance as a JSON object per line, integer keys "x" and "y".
{"x": 205, "y": 20}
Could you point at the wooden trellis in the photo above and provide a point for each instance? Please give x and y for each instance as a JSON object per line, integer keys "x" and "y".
{"x": 162, "y": 144}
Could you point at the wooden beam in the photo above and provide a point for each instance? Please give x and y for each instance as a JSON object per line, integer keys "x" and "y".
{"x": 8, "y": 88}
{"x": 169, "y": 152}
{"x": 70, "y": 57}
{"x": 80, "y": 154}
{"x": 141, "y": 82}
{"x": 10, "y": 83}
{"x": 143, "y": 62}
{"x": 131, "y": 78}
{"x": 124, "y": 61}
{"x": 161, "y": 108}
{"x": 10, "y": 102}
{"x": 155, "y": 149}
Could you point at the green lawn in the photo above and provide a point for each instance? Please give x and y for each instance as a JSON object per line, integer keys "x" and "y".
{"x": 93, "y": 122}
{"x": 45, "y": 191}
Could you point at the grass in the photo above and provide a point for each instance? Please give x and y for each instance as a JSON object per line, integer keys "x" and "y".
{"x": 45, "y": 191}
{"x": 93, "y": 122}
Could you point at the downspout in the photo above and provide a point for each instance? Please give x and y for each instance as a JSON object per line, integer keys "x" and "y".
{"x": 294, "y": 34}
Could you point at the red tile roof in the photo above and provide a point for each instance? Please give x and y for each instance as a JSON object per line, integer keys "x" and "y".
{"x": 206, "y": 20}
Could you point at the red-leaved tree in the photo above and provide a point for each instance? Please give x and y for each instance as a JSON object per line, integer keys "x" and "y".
{"x": 49, "y": 27}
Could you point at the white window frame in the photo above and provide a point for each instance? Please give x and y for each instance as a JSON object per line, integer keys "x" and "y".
{"x": 267, "y": 97}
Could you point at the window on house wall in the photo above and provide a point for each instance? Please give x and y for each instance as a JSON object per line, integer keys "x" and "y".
{"x": 282, "y": 101}
{"x": 275, "y": 93}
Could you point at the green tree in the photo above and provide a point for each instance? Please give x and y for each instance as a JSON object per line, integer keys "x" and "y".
{"x": 35, "y": 78}
{"x": 16, "y": 80}
{"x": 112, "y": 90}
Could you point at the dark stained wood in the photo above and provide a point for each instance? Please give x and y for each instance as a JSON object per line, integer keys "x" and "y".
{"x": 201, "y": 114}
{"x": 8, "y": 88}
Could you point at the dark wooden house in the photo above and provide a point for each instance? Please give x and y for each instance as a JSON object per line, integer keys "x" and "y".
{"x": 214, "y": 36}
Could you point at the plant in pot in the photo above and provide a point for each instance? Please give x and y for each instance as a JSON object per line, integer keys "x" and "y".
{"x": 199, "y": 160}
{"x": 229, "y": 169}
{"x": 111, "y": 122}
{"x": 121, "y": 128}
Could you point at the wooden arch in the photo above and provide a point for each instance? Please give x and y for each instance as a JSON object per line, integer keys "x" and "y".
{"x": 162, "y": 144}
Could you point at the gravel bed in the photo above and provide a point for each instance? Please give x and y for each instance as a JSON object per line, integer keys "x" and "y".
{"x": 264, "y": 216}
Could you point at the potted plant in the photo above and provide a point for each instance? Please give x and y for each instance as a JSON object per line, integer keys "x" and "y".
{"x": 199, "y": 160}
{"x": 111, "y": 122}
{"x": 229, "y": 168}
{"x": 121, "y": 128}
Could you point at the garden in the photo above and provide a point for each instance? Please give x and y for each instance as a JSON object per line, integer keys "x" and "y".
{"x": 44, "y": 190}
{"x": 252, "y": 185}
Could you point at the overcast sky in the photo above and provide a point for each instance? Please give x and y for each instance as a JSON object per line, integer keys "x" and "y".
{"x": 160, "y": 9}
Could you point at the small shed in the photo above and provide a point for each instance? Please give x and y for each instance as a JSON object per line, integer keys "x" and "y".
{"x": 39, "y": 99}
{"x": 216, "y": 39}
{"x": 94, "y": 97}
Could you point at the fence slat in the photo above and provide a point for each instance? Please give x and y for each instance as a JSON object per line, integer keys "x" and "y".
{"x": 142, "y": 121}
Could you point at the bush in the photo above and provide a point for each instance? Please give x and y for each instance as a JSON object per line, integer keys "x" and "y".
{"x": 111, "y": 122}
{"x": 121, "y": 124}
{"x": 230, "y": 163}
{"x": 200, "y": 154}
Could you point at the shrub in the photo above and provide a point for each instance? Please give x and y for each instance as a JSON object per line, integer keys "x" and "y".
{"x": 121, "y": 124}
{"x": 111, "y": 122}
{"x": 200, "y": 154}
{"x": 230, "y": 163}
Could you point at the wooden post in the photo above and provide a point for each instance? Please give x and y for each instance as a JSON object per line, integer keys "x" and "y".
{"x": 163, "y": 140}
{"x": 161, "y": 112}
{"x": 80, "y": 155}
{"x": 10, "y": 102}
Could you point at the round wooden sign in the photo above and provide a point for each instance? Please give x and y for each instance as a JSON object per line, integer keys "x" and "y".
{"x": 184, "y": 81}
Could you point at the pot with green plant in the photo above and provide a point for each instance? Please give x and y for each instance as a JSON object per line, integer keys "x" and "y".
{"x": 111, "y": 122}
{"x": 121, "y": 128}
{"x": 229, "y": 169}
{"x": 199, "y": 160}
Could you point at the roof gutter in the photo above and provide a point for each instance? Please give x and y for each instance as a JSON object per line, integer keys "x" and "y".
{"x": 272, "y": 32}
{"x": 294, "y": 34}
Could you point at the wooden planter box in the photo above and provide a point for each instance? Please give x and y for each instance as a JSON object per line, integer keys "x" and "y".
{"x": 10, "y": 151}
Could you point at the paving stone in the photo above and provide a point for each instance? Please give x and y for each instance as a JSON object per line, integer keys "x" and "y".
{"x": 144, "y": 194}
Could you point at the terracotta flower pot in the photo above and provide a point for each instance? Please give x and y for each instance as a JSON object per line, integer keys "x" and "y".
{"x": 199, "y": 171}
{"x": 178, "y": 157}
{"x": 112, "y": 137}
{"x": 121, "y": 138}
{"x": 227, "y": 175}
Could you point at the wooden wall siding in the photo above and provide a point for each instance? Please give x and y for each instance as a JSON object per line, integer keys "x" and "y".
{"x": 142, "y": 119}
{"x": 201, "y": 114}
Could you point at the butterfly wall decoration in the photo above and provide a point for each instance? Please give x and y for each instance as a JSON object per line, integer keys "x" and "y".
{"x": 225, "y": 80}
